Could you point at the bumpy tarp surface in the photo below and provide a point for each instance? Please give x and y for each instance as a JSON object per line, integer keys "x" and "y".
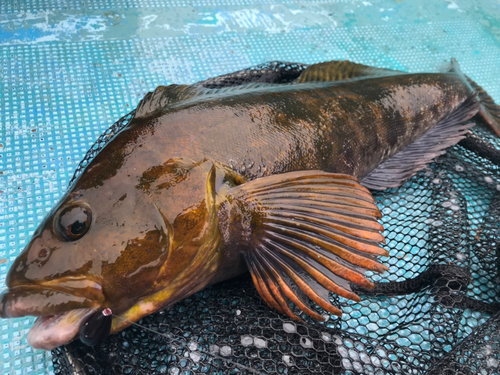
{"x": 71, "y": 69}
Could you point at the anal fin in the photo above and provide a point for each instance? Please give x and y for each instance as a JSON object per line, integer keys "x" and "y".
{"x": 403, "y": 165}
{"x": 304, "y": 233}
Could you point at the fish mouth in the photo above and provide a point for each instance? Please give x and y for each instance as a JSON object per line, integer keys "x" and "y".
{"x": 50, "y": 331}
{"x": 60, "y": 306}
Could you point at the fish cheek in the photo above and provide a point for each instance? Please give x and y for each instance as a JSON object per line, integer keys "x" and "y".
{"x": 35, "y": 264}
{"x": 133, "y": 274}
{"x": 189, "y": 206}
{"x": 189, "y": 234}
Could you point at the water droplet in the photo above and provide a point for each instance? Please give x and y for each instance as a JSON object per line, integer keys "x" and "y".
{"x": 446, "y": 204}
{"x": 325, "y": 336}
{"x": 213, "y": 349}
{"x": 226, "y": 351}
{"x": 375, "y": 361}
{"x": 246, "y": 340}
{"x": 193, "y": 346}
{"x": 487, "y": 349}
{"x": 437, "y": 223}
{"x": 498, "y": 187}
{"x": 289, "y": 327}
{"x": 454, "y": 207}
{"x": 343, "y": 351}
{"x": 347, "y": 364}
{"x": 436, "y": 181}
{"x": 260, "y": 343}
{"x": 460, "y": 256}
{"x": 195, "y": 356}
{"x": 365, "y": 358}
{"x": 358, "y": 367}
{"x": 173, "y": 371}
{"x": 353, "y": 353}
{"x": 459, "y": 168}
{"x": 306, "y": 343}
{"x": 287, "y": 360}
{"x": 238, "y": 312}
{"x": 488, "y": 180}
{"x": 492, "y": 362}
{"x": 381, "y": 352}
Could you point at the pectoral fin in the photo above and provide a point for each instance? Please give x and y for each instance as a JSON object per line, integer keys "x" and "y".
{"x": 266, "y": 75}
{"x": 306, "y": 231}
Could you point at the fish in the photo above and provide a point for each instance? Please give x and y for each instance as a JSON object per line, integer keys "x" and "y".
{"x": 207, "y": 183}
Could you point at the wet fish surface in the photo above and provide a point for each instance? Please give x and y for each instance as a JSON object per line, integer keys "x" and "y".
{"x": 205, "y": 184}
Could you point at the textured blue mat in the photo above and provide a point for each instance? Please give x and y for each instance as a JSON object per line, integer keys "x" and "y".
{"x": 69, "y": 69}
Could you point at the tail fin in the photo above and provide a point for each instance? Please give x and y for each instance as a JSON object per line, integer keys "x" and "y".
{"x": 488, "y": 110}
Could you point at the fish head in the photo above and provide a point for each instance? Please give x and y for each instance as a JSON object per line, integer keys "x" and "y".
{"x": 115, "y": 245}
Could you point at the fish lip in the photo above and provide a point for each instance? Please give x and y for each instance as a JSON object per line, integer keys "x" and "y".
{"x": 31, "y": 300}
{"x": 47, "y": 333}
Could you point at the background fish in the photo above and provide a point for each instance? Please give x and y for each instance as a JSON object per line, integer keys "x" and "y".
{"x": 204, "y": 184}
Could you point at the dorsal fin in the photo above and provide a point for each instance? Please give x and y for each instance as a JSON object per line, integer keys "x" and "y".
{"x": 270, "y": 72}
{"x": 168, "y": 96}
{"x": 164, "y": 96}
{"x": 342, "y": 70}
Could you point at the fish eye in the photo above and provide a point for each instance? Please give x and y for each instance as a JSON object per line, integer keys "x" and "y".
{"x": 73, "y": 222}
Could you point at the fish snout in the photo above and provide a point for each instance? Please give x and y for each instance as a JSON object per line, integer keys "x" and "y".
{"x": 41, "y": 300}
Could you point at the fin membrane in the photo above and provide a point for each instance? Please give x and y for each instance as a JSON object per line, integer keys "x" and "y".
{"x": 488, "y": 110}
{"x": 265, "y": 75}
{"x": 404, "y": 164}
{"x": 305, "y": 233}
{"x": 165, "y": 96}
{"x": 277, "y": 72}
{"x": 342, "y": 70}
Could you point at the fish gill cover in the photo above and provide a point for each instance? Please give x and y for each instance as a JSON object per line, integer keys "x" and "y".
{"x": 436, "y": 311}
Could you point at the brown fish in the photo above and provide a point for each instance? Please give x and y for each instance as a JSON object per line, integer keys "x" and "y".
{"x": 205, "y": 184}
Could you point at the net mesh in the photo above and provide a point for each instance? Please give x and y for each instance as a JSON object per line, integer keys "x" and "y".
{"x": 436, "y": 311}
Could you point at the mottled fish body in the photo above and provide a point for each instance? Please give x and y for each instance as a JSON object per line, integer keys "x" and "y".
{"x": 348, "y": 127}
{"x": 204, "y": 184}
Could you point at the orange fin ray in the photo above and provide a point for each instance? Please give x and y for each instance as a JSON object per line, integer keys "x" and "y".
{"x": 311, "y": 231}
